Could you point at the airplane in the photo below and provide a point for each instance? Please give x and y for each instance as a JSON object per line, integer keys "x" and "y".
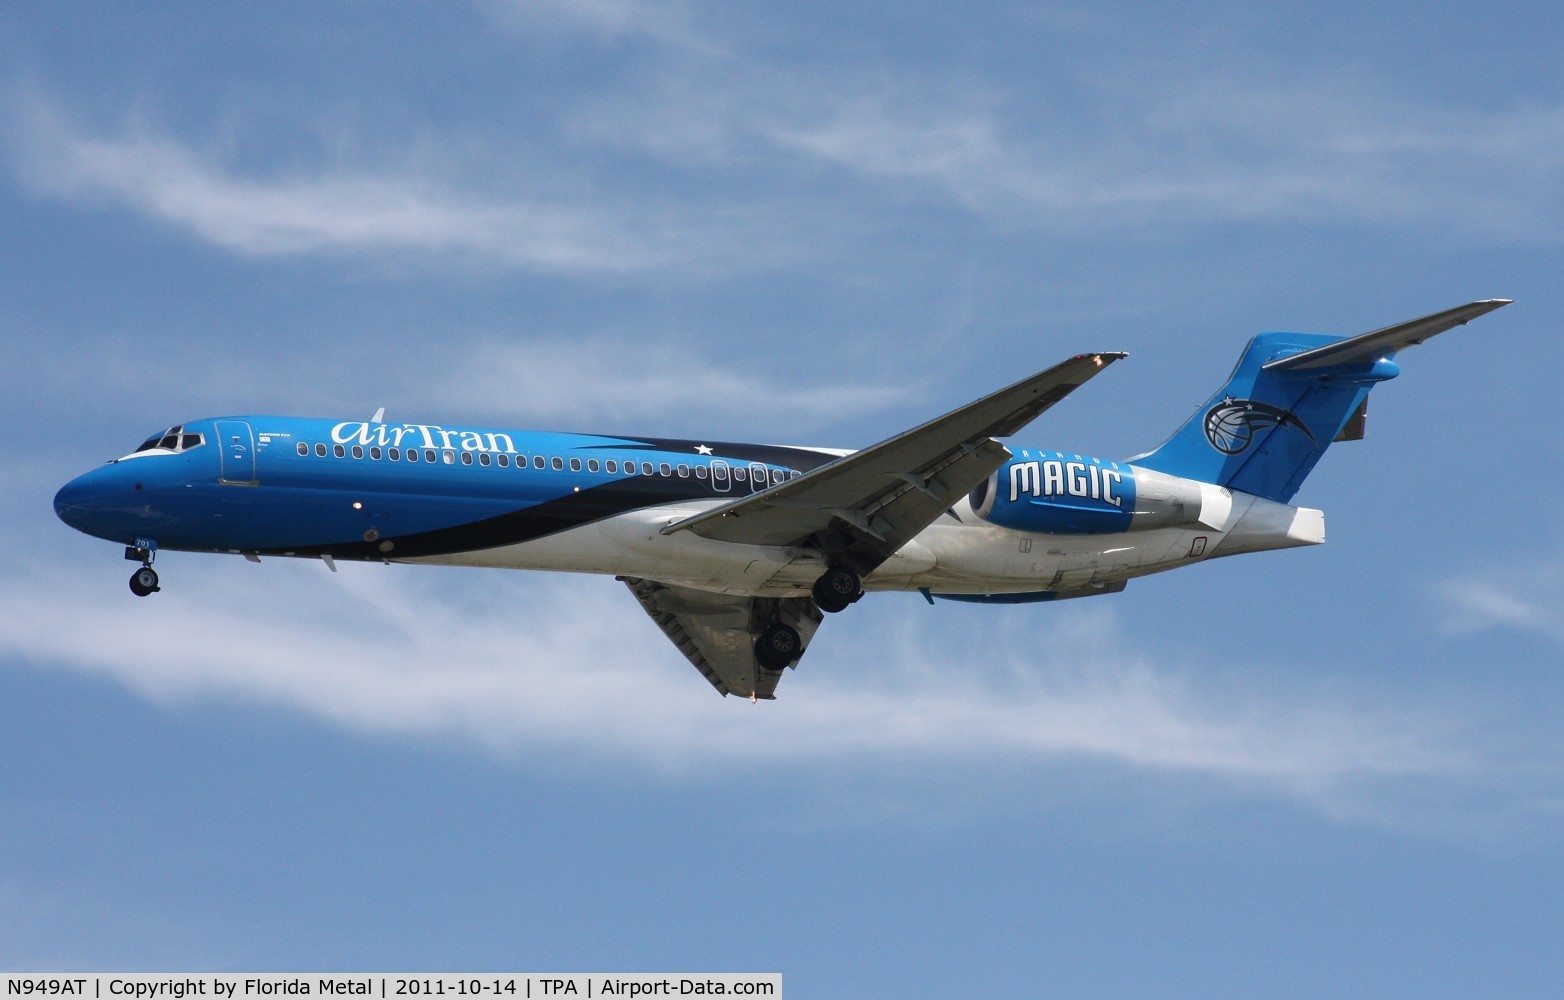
{"x": 738, "y": 552}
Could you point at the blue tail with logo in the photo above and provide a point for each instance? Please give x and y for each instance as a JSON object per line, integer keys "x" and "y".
{"x": 1291, "y": 395}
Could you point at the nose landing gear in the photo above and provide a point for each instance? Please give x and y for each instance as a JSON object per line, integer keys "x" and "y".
{"x": 144, "y": 580}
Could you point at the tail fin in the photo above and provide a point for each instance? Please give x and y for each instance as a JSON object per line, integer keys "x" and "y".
{"x": 1291, "y": 395}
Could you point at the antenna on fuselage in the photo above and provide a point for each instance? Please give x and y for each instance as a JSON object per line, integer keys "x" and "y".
{"x": 380, "y": 415}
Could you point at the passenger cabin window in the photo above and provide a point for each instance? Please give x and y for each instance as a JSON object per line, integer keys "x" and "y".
{"x": 339, "y": 451}
{"x": 303, "y": 449}
{"x": 374, "y": 453}
{"x": 591, "y": 465}
{"x": 466, "y": 458}
{"x": 484, "y": 459}
{"x": 504, "y": 460}
{"x": 557, "y": 462}
{"x": 396, "y": 454}
{"x": 611, "y": 466}
{"x": 538, "y": 462}
{"x": 575, "y": 465}
{"x": 320, "y": 451}
{"x": 358, "y": 451}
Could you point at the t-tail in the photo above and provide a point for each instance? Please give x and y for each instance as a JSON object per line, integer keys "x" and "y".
{"x": 1290, "y": 397}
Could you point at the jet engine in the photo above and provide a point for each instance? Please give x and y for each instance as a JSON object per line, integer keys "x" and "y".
{"x": 1061, "y": 494}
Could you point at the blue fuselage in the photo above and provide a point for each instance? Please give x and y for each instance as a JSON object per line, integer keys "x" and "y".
{"x": 375, "y": 491}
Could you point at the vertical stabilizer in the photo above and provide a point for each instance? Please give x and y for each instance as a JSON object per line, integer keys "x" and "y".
{"x": 1290, "y": 396}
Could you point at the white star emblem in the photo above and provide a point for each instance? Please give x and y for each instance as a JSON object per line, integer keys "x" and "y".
{"x": 703, "y": 449}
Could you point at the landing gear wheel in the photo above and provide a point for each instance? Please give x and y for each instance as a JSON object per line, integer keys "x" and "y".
{"x": 778, "y": 645}
{"x": 836, "y": 589}
{"x": 144, "y": 581}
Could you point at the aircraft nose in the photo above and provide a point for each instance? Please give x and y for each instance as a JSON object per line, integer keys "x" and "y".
{"x": 92, "y": 503}
{"x": 73, "y": 502}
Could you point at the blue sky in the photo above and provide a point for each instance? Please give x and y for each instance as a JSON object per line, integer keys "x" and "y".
{"x": 1335, "y": 770}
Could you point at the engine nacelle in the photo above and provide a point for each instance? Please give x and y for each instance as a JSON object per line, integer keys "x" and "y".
{"x": 1058, "y": 494}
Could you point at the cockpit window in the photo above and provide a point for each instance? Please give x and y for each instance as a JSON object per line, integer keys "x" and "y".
{"x": 174, "y": 439}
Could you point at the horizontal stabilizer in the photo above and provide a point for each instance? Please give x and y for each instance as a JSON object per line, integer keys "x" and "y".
{"x": 1369, "y": 347}
{"x": 1289, "y": 397}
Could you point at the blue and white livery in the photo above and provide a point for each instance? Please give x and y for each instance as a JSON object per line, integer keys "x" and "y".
{"x": 738, "y": 551}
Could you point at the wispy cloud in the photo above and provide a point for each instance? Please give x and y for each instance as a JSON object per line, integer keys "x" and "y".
{"x": 520, "y": 664}
{"x": 1119, "y": 142}
{"x": 361, "y": 211}
{"x": 1207, "y": 149}
{"x": 566, "y": 381}
{"x": 706, "y": 161}
{"x": 663, "y": 22}
{"x": 1523, "y": 596}
{"x": 606, "y": 378}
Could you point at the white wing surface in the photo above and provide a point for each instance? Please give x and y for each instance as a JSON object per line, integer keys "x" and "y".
{"x": 717, "y": 632}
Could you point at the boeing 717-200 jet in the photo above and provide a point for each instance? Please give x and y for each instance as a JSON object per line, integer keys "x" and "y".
{"x": 738, "y": 551}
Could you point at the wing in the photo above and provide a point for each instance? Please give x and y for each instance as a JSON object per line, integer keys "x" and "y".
{"x": 863, "y": 507}
{"x": 717, "y": 632}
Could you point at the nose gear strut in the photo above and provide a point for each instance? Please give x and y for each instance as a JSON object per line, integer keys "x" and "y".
{"x": 144, "y": 580}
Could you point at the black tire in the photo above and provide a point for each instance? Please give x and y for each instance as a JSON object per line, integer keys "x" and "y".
{"x": 778, "y": 645}
{"x": 836, "y": 589}
{"x": 144, "y": 581}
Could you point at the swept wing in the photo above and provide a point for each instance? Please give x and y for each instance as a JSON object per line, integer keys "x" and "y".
{"x": 864, "y": 506}
{"x": 859, "y": 509}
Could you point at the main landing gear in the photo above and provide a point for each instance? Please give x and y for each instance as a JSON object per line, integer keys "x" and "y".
{"x": 144, "y": 580}
{"x": 778, "y": 645}
{"x": 836, "y": 589}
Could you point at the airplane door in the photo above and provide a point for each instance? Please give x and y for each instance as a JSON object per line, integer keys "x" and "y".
{"x": 758, "y": 477}
{"x": 236, "y": 446}
{"x": 720, "y": 480}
